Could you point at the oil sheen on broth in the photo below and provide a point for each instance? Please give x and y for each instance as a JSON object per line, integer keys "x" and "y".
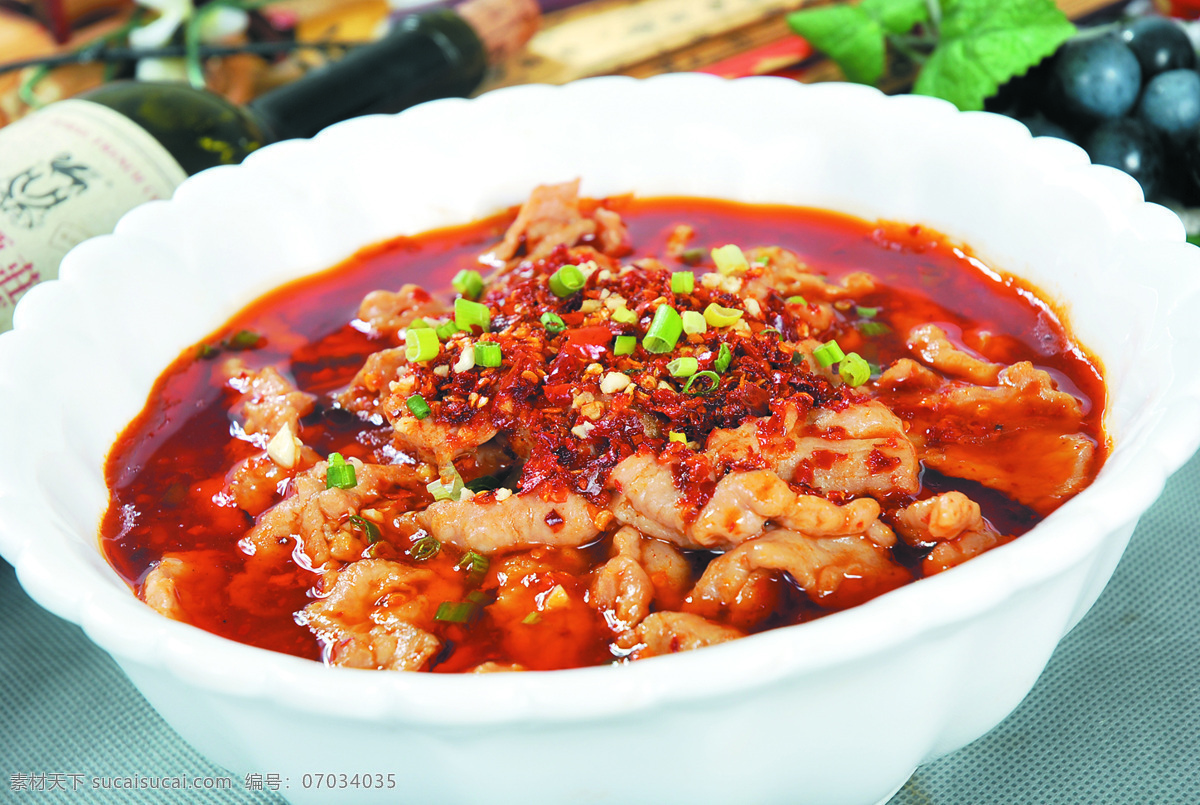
{"x": 611, "y": 437}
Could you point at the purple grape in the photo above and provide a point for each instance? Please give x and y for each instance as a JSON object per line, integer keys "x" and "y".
{"x": 1159, "y": 45}
{"x": 1170, "y": 103}
{"x": 1130, "y": 145}
{"x": 1098, "y": 78}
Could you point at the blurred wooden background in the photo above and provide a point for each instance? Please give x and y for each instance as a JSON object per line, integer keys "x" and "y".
{"x": 577, "y": 39}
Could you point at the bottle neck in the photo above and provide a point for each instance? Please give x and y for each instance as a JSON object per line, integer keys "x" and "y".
{"x": 426, "y": 56}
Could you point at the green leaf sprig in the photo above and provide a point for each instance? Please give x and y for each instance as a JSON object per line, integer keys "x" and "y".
{"x": 964, "y": 49}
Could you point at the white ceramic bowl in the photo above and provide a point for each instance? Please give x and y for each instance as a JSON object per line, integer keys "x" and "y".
{"x": 840, "y": 710}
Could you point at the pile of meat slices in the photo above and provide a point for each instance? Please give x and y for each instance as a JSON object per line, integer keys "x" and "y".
{"x": 707, "y": 508}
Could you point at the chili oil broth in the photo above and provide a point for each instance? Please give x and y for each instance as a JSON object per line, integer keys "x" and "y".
{"x": 167, "y": 471}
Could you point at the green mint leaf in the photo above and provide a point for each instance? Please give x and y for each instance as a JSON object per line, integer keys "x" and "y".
{"x": 985, "y": 43}
{"x": 897, "y": 16}
{"x": 846, "y": 34}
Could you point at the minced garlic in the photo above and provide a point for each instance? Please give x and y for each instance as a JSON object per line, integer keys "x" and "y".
{"x": 284, "y": 448}
{"x": 558, "y": 597}
{"x": 722, "y": 282}
{"x": 613, "y": 382}
{"x": 466, "y": 361}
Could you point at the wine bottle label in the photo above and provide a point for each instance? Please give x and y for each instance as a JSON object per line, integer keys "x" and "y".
{"x": 68, "y": 173}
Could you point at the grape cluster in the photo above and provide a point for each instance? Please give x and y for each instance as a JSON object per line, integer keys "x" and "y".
{"x": 1130, "y": 95}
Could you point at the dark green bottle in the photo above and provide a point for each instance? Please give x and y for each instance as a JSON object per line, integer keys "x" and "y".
{"x": 198, "y": 129}
{"x": 69, "y": 171}
{"x": 425, "y": 56}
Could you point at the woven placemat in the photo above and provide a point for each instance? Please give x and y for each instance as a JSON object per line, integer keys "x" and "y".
{"x": 1115, "y": 718}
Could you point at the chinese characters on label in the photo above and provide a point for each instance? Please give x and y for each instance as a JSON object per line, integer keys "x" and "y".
{"x": 77, "y": 781}
{"x": 72, "y": 170}
{"x": 15, "y": 279}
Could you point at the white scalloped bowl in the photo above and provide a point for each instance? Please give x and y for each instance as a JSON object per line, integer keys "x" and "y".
{"x": 840, "y": 710}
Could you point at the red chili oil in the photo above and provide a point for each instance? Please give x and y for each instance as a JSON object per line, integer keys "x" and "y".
{"x": 167, "y": 470}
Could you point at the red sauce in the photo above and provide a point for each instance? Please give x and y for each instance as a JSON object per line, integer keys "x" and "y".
{"x": 167, "y": 470}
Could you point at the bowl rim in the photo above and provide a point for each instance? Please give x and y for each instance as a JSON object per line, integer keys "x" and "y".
{"x": 134, "y": 634}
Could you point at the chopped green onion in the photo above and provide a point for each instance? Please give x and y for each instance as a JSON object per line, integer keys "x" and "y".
{"x": 469, "y": 283}
{"x": 339, "y": 474}
{"x": 443, "y": 491}
{"x": 567, "y": 280}
{"x": 724, "y": 358}
{"x": 475, "y": 564}
{"x": 870, "y": 328}
{"x": 712, "y": 378}
{"x": 828, "y": 354}
{"x": 479, "y": 597}
{"x": 532, "y": 618}
{"x": 694, "y": 323}
{"x": 446, "y": 329}
{"x": 664, "y": 332}
{"x": 488, "y": 354}
{"x": 416, "y": 403}
{"x": 730, "y": 260}
{"x": 683, "y": 367}
{"x": 455, "y": 611}
{"x": 484, "y": 483}
{"x": 468, "y": 314}
{"x": 692, "y": 256}
{"x": 763, "y": 260}
{"x": 796, "y": 300}
{"x": 867, "y": 312}
{"x": 368, "y": 528}
{"x": 417, "y": 324}
{"x": 682, "y": 282}
{"x": 624, "y": 315}
{"x": 854, "y": 369}
{"x": 421, "y": 345}
{"x": 206, "y": 352}
{"x": 771, "y": 331}
{"x": 625, "y": 345}
{"x": 719, "y": 316}
{"x": 425, "y": 548}
{"x": 676, "y": 436}
{"x": 553, "y": 323}
{"x": 244, "y": 339}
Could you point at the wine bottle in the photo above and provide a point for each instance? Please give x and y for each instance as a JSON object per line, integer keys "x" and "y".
{"x": 70, "y": 171}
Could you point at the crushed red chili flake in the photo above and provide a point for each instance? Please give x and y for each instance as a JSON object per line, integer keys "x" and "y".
{"x": 217, "y": 517}
{"x": 548, "y": 389}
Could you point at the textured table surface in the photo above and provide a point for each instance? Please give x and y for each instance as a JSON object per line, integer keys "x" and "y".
{"x": 1115, "y": 718}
